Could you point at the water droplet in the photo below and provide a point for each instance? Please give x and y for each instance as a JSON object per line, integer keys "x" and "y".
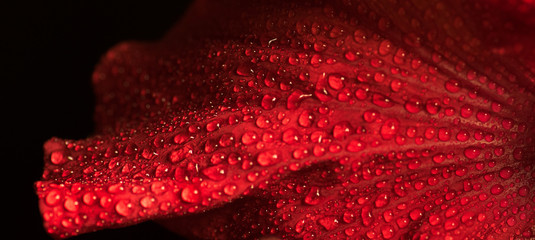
{"x": 483, "y": 116}
{"x": 444, "y": 134}
{"x": 414, "y": 164}
{"x": 230, "y": 189}
{"x": 53, "y": 197}
{"x": 295, "y": 98}
{"x": 416, "y": 214}
{"x": 356, "y": 146}
{"x": 130, "y": 149}
{"x": 435, "y": 219}
{"x": 158, "y": 188}
{"x": 467, "y": 110}
{"x": 147, "y": 202}
{"x": 89, "y": 198}
{"x": 523, "y": 191}
{"x": 290, "y": 136}
{"x": 268, "y": 102}
{"x": 402, "y": 222}
{"x": 370, "y": 115}
{"x": 359, "y": 36}
{"x": 463, "y": 135}
{"x": 342, "y": 130}
{"x": 349, "y": 217}
{"x": 399, "y": 190}
{"x": 329, "y": 223}
{"x": 439, "y": 158}
{"x": 191, "y": 194}
{"x": 452, "y": 85}
{"x": 385, "y": 47}
{"x": 451, "y": 224}
{"x": 244, "y": 70}
{"x": 506, "y": 172}
{"x": 432, "y": 105}
{"x": 263, "y": 122}
{"x": 496, "y": 189}
{"x": 71, "y": 204}
{"x": 413, "y": 105}
{"x": 387, "y": 232}
{"x": 180, "y": 154}
{"x": 382, "y": 200}
{"x": 496, "y": 107}
{"x": 389, "y": 129}
{"x": 57, "y": 158}
{"x": 216, "y": 173}
{"x": 366, "y": 215}
{"x": 381, "y": 100}
{"x": 124, "y": 207}
{"x": 313, "y": 197}
{"x": 268, "y": 158}
{"x": 249, "y": 138}
{"x": 226, "y": 140}
{"x": 306, "y": 118}
{"x": 472, "y": 152}
{"x": 336, "y": 81}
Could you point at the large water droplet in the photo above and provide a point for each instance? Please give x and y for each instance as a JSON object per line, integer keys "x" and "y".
{"x": 268, "y": 158}
{"x": 496, "y": 189}
{"x": 313, "y": 197}
{"x": 249, "y": 138}
{"x": 329, "y": 223}
{"x": 124, "y": 207}
{"x": 336, "y": 81}
{"x": 216, "y": 173}
{"x": 268, "y": 101}
{"x": 306, "y": 118}
{"x": 452, "y": 85}
{"x": 467, "y": 110}
{"x": 389, "y": 129}
{"x": 53, "y": 197}
{"x": 385, "y": 47}
{"x": 472, "y": 152}
{"x": 57, "y": 158}
{"x": 290, "y": 136}
{"x": 191, "y": 194}
{"x": 413, "y": 105}
{"x": 506, "y": 172}
{"x": 342, "y": 130}
{"x": 355, "y": 146}
{"x": 147, "y": 202}
{"x": 382, "y": 200}
{"x": 381, "y": 100}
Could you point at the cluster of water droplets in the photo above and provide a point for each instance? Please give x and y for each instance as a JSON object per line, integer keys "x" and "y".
{"x": 345, "y": 131}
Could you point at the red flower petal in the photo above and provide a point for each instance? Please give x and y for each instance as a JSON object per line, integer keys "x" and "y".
{"x": 332, "y": 120}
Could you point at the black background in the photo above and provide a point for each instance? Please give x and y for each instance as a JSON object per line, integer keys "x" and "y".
{"x": 50, "y": 49}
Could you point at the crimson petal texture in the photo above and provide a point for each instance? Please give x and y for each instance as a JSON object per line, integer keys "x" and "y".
{"x": 336, "y": 119}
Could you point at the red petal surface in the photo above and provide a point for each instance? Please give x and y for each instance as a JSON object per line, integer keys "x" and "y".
{"x": 343, "y": 119}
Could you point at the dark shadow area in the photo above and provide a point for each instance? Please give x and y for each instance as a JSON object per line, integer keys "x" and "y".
{"x": 50, "y": 51}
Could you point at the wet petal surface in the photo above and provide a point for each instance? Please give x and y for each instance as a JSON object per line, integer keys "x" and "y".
{"x": 344, "y": 119}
